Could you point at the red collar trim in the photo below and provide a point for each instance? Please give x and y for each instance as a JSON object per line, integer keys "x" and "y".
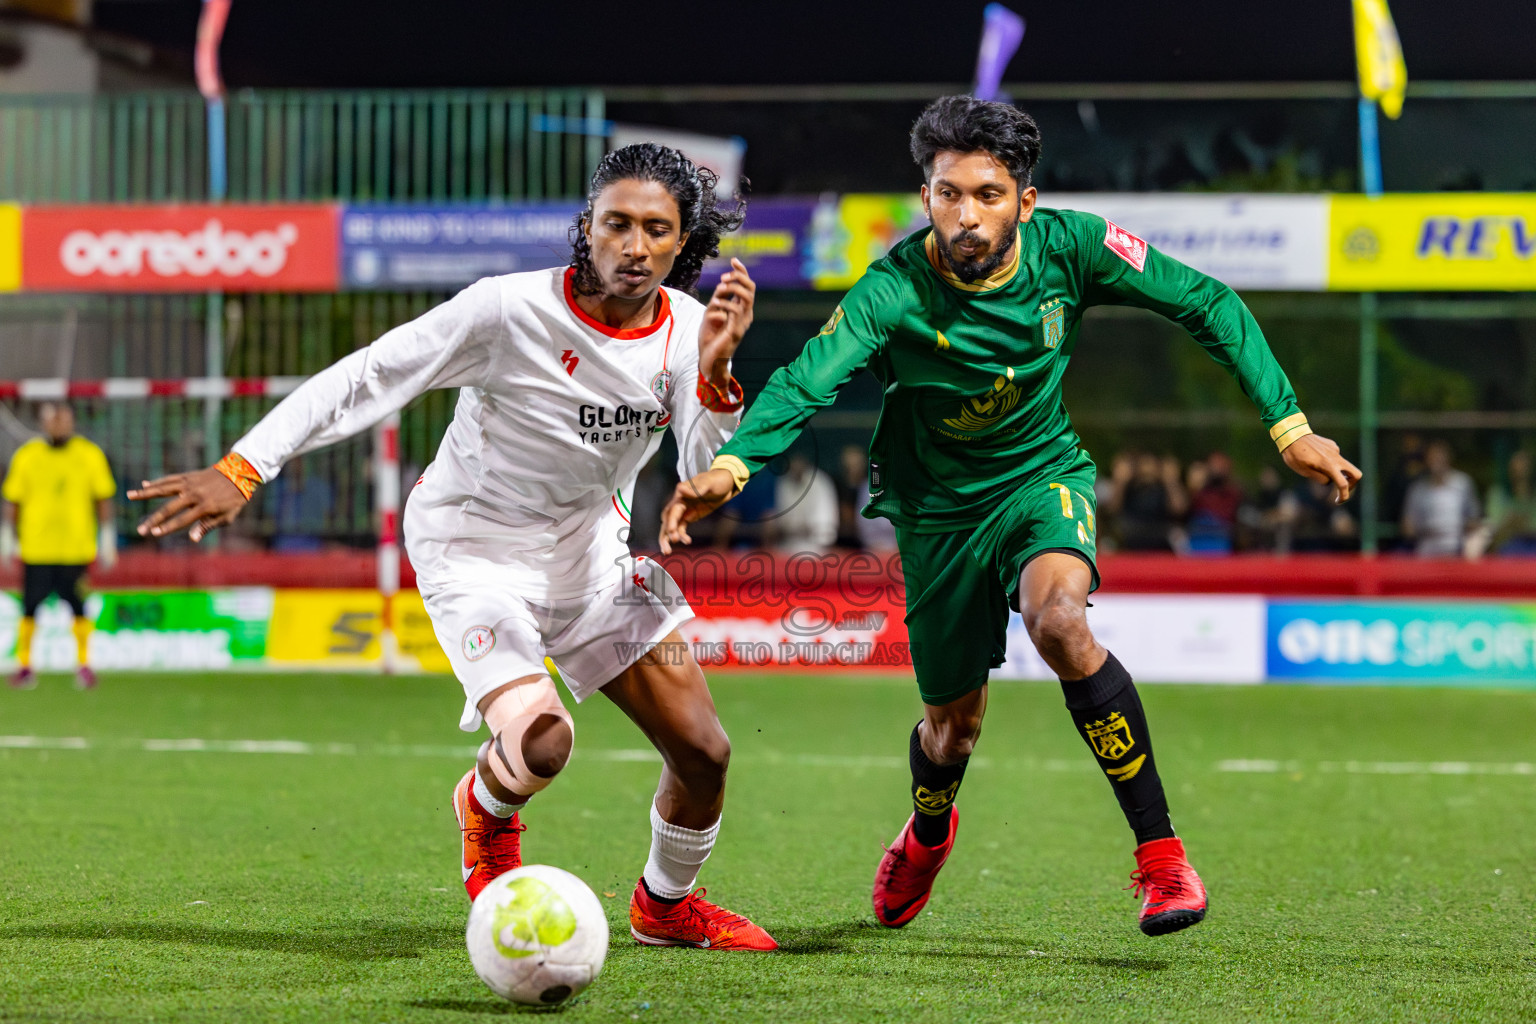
{"x": 663, "y": 313}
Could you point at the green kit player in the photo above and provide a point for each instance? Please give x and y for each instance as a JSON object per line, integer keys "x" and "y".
{"x": 969, "y": 326}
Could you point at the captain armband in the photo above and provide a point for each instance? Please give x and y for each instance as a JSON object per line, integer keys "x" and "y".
{"x": 727, "y": 399}
{"x": 1289, "y": 430}
{"x": 734, "y": 466}
{"x": 240, "y": 473}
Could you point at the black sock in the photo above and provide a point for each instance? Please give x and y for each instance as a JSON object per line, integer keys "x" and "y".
{"x": 1108, "y": 713}
{"x": 933, "y": 792}
{"x": 669, "y": 900}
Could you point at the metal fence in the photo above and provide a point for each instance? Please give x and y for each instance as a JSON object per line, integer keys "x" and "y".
{"x": 289, "y": 145}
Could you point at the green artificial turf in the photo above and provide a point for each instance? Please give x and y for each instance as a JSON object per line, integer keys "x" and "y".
{"x": 1358, "y": 870}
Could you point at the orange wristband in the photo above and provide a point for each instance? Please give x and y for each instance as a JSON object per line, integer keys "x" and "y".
{"x": 239, "y": 473}
{"x": 716, "y": 400}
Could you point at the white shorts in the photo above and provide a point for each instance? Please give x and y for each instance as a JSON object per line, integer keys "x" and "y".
{"x": 493, "y": 636}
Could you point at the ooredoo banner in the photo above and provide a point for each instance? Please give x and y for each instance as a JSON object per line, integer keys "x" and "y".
{"x": 180, "y": 248}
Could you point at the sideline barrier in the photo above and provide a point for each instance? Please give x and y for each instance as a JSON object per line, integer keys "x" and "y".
{"x": 825, "y": 613}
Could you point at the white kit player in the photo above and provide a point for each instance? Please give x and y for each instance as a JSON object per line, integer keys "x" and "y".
{"x": 568, "y": 380}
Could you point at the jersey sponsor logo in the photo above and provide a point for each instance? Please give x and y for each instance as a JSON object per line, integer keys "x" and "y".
{"x": 832, "y": 321}
{"x": 1125, "y": 245}
{"x": 983, "y": 411}
{"x": 569, "y": 361}
{"x": 478, "y": 642}
{"x": 1111, "y": 738}
{"x": 599, "y": 424}
{"x": 661, "y": 385}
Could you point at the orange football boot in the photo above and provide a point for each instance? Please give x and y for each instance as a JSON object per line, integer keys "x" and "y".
{"x": 492, "y": 845}
{"x": 693, "y": 922}
{"x": 904, "y": 880}
{"x": 1172, "y": 894}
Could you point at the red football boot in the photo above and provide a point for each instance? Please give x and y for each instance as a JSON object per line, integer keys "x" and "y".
{"x": 492, "y": 845}
{"x": 1172, "y": 894}
{"x": 693, "y": 922}
{"x": 904, "y": 880}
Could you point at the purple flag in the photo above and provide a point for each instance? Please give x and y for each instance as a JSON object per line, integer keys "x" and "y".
{"x": 1002, "y": 32}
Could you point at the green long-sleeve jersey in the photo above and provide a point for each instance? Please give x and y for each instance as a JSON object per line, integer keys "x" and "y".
{"x": 972, "y": 372}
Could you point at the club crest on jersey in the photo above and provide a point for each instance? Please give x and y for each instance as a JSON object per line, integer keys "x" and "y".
{"x": 1125, "y": 245}
{"x": 1054, "y": 322}
{"x": 661, "y": 385}
{"x": 478, "y": 642}
{"x": 1111, "y": 738}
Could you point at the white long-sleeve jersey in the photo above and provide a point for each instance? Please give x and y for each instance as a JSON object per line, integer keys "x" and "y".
{"x": 556, "y": 415}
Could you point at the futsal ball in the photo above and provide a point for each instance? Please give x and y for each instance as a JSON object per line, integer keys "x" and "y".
{"x": 537, "y": 935}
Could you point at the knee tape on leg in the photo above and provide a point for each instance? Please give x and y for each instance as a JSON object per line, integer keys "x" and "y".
{"x": 509, "y": 717}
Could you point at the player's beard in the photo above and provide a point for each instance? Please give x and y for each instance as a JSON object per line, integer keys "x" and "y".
{"x": 973, "y": 271}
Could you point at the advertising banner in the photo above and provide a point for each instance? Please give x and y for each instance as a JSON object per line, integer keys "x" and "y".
{"x": 1163, "y": 638}
{"x": 1274, "y": 243}
{"x": 173, "y": 629}
{"x": 179, "y": 248}
{"x": 775, "y": 243}
{"x": 1466, "y": 642}
{"x": 1444, "y": 241}
{"x": 385, "y": 247}
{"x": 341, "y": 629}
{"x": 1247, "y": 241}
{"x": 10, "y": 247}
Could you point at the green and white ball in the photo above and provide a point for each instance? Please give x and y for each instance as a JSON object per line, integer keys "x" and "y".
{"x": 537, "y": 935}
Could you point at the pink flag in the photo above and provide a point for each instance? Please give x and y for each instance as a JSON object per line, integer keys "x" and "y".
{"x": 210, "y": 31}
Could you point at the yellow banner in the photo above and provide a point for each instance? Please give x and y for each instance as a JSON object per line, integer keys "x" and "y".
{"x": 341, "y": 628}
{"x": 10, "y": 247}
{"x": 1452, "y": 241}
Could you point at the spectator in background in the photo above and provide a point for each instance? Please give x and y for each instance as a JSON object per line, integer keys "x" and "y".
{"x": 57, "y": 515}
{"x": 1258, "y": 519}
{"x": 1146, "y": 500}
{"x": 1512, "y": 510}
{"x": 1309, "y": 521}
{"x": 805, "y": 508}
{"x": 1213, "y": 505}
{"x": 300, "y": 504}
{"x": 1440, "y": 509}
{"x": 1409, "y": 467}
{"x": 855, "y": 471}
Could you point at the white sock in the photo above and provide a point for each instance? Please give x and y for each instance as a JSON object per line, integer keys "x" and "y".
{"x": 499, "y": 808}
{"x": 677, "y": 853}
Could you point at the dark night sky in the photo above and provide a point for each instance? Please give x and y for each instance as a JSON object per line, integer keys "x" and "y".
{"x": 469, "y": 43}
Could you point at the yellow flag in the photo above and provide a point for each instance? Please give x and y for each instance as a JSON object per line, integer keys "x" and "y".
{"x": 1379, "y": 56}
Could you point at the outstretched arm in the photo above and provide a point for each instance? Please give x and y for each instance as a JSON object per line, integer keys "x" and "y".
{"x": 1124, "y": 270}
{"x": 449, "y": 346}
{"x": 850, "y": 339}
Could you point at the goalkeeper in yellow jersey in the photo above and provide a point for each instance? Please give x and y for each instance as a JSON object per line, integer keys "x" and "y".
{"x": 969, "y": 326}
{"x": 57, "y": 515}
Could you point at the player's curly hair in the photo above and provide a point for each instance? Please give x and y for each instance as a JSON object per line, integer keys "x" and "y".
{"x": 691, "y": 186}
{"x": 964, "y": 124}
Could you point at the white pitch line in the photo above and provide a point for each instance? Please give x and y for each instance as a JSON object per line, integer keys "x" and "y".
{"x": 1252, "y": 766}
{"x": 44, "y": 742}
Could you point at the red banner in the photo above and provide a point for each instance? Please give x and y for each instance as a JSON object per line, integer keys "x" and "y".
{"x": 180, "y": 248}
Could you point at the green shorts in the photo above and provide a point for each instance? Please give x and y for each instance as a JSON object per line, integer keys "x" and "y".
{"x": 961, "y": 585}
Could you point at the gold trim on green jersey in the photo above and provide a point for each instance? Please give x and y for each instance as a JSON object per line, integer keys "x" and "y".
{"x": 1289, "y": 430}
{"x": 734, "y": 466}
{"x": 991, "y": 283}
